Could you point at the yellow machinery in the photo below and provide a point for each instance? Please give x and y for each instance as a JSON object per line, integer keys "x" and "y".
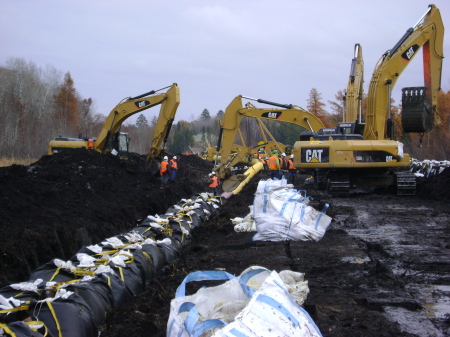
{"x": 230, "y": 126}
{"x": 344, "y": 160}
{"x": 355, "y": 88}
{"x": 245, "y": 153}
{"x": 110, "y": 140}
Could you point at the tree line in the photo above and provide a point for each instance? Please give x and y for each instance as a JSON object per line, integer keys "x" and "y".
{"x": 38, "y": 104}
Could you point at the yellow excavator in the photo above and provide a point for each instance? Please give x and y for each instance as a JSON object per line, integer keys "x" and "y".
{"x": 111, "y": 140}
{"x": 245, "y": 153}
{"x": 345, "y": 159}
{"x": 230, "y": 126}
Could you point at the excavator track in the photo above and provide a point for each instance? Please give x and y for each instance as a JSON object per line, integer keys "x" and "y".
{"x": 405, "y": 183}
{"x": 320, "y": 179}
{"x": 339, "y": 185}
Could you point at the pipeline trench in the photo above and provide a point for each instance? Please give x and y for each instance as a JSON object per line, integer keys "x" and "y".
{"x": 381, "y": 266}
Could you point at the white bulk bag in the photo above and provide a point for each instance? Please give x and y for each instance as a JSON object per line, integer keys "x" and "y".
{"x": 282, "y": 213}
{"x": 242, "y": 303}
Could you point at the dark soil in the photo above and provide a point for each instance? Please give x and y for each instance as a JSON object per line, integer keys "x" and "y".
{"x": 369, "y": 275}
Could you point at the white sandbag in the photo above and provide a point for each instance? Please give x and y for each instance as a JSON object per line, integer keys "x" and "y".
{"x": 246, "y": 224}
{"x": 191, "y": 315}
{"x": 271, "y": 312}
{"x": 282, "y": 213}
{"x": 210, "y": 309}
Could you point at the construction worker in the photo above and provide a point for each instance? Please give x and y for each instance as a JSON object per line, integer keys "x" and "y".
{"x": 164, "y": 172}
{"x": 283, "y": 165}
{"x": 261, "y": 153}
{"x": 263, "y": 161}
{"x": 274, "y": 165}
{"x": 292, "y": 169}
{"x": 214, "y": 186}
{"x": 173, "y": 168}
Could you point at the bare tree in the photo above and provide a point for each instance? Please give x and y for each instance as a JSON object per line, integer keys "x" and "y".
{"x": 316, "y": 106}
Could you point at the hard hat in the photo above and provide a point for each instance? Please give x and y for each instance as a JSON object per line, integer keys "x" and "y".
{"x": 175, "y": 157}
{"x": 166, "y": 158}
{"x": 292, "y": 156}
{"x": 274, "y": 151}
{"x": 283, "y": 154}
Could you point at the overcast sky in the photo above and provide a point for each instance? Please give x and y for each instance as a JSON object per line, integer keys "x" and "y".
{"x": 276, "y": 50}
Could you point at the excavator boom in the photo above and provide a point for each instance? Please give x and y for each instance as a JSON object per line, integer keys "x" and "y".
{"x": 355, "y": 89}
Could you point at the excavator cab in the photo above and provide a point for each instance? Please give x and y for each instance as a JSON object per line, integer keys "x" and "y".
{"x": 118, "y": 144}
{"x": 417, "y": 112}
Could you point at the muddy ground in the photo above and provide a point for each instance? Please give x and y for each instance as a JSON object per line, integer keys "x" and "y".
{"x": 382, "y": 269}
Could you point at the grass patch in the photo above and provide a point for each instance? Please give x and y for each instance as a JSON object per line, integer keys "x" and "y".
{"x": 17, "y": 161}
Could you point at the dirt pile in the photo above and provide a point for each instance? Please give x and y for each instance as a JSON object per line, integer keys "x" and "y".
{"x": 55, "y": 206}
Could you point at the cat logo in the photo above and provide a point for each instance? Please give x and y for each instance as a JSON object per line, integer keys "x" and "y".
{"x": 315, "y": 155}
{"x": 141, "y": 104}
{"x": 410, "y": 52}
{"x": 272, "y": 114}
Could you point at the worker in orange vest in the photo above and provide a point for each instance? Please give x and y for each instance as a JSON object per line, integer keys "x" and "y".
{"x": 283, "y": 165}
{"x": 173, "y": 168}
{"x": 263, "y": 161}
{"x": 214, "y": 183}
{"x": 292, "y": 169}
{"x": 164, "y": 172}
{"x": 274, "y": 165}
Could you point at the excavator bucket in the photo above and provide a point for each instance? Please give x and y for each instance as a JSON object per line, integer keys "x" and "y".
{"x": 154, "y": 168}
{"x": 417, "y": 112}
{"x": 231, "y": 183}
{"x": 153, "y": 165}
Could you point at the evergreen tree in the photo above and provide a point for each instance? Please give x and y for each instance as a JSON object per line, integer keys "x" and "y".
{"x": 220, "y": 114}
{"x": 205, "y": 115}
{"x": 141, "y": 121}
{"x": 182, "y": 139}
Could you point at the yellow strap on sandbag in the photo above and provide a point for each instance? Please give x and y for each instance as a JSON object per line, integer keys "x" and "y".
{"x": 55, "y": 273}
{"x": 8, "y": 331}
{"x": 50, "y": 306}
{"x": 20, "y": 308}
{"x": 30, "y": 323}
{"x": 110, "y": 252}
{"x": 121, "y": 273}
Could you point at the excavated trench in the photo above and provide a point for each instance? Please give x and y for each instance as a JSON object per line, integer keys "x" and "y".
{"x": 382, "y": 268}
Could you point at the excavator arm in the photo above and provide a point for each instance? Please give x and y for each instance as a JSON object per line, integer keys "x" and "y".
{"x": 233, "y": 116}
{"x": 166, "y": 117}
{"x": 132, "y": 105}
{"x": 427, "y": 34}
{"x": 354, "y": 95}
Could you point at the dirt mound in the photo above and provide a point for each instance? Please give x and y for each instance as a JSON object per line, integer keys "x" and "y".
{"x": 62, "y": 202}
